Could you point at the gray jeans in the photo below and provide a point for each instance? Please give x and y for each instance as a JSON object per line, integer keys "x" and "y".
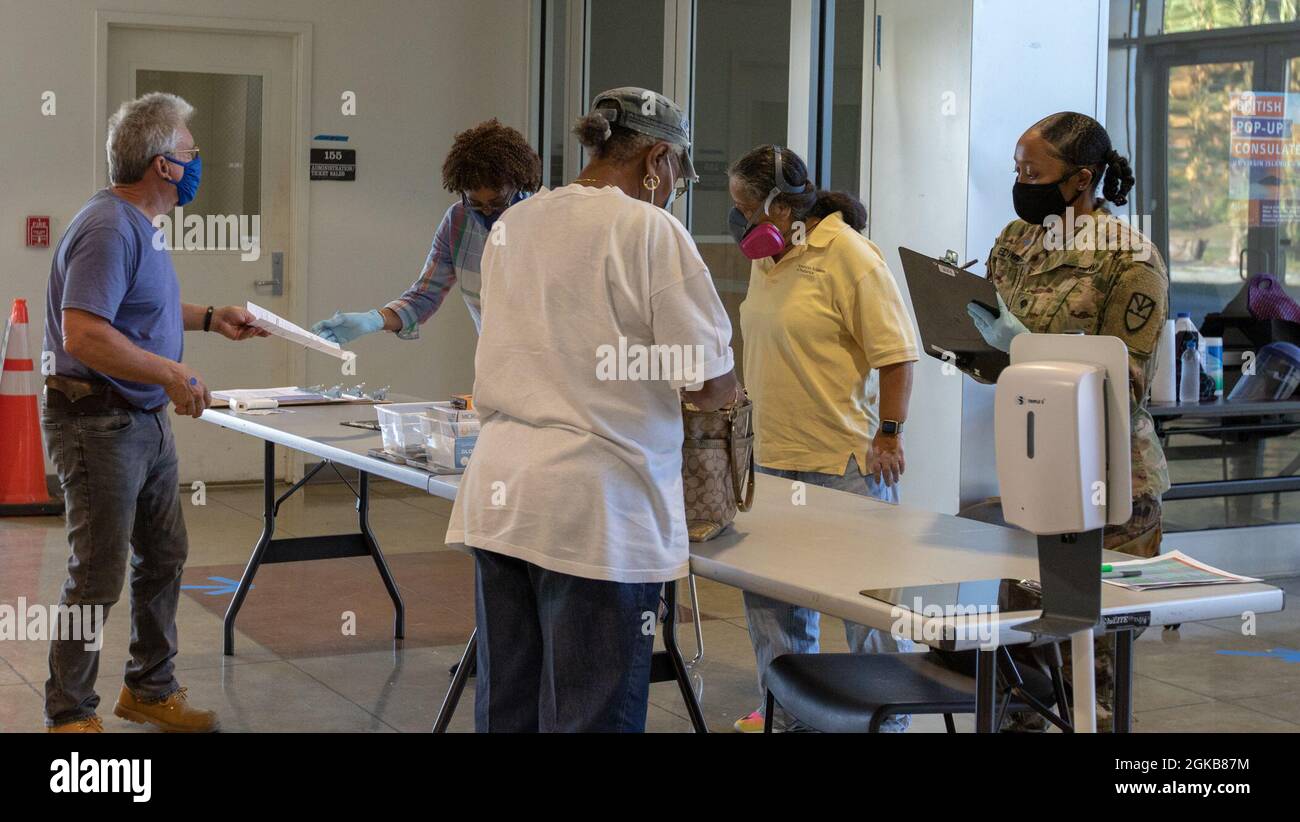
{"x": 122, "y": 494}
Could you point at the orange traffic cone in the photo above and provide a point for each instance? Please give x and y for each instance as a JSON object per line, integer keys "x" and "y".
{"x": 22, "y": 469}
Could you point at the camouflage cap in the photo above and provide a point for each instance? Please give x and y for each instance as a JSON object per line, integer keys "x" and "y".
{"x": 650, "y": 113}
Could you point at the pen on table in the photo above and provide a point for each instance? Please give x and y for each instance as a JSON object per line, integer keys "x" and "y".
{"x": 1109, "y": 572}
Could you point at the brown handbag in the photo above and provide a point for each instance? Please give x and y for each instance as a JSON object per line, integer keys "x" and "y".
{"x": 717, "y": 467}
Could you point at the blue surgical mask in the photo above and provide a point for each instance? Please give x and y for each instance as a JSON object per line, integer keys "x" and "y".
{"x": 486, "y": 220}
{"x": 188, "y": 185}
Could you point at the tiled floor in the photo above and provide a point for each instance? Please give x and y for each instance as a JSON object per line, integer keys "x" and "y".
{"x": 296, "y": 668}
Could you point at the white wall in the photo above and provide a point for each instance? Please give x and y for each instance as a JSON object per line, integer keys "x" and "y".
{"x": 1028, "y": 60}
{"x": 919, "y": 130}
{"x": 422, "y": 70}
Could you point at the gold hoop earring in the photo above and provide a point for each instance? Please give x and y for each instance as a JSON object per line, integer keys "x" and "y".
{"x": 650, "y": 181}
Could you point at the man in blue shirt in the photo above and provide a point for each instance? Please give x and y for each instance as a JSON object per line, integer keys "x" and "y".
{"x": 114, "y": 321}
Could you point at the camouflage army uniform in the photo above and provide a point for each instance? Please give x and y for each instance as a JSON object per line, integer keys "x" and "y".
{"x": 1080, "y": 288}
{"x": 1059, "y": 290}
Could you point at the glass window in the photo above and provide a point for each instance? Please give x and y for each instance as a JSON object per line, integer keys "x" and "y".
{"x": 1289, "y": 230}
{"x": 626, "y": 45}
{"x": 1228, "y": 456}
{"x": 227, "y": 128}
{"x": 555, "y": 116}
{"x": 1203, "y": 15}
{"x": 1207, "y": 229}
{"x": 742, "y": 99}
{"x": 846, "y": 114}
{"x": 742, "y": 95}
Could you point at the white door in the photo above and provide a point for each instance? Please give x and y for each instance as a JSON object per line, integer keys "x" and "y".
{"x": 241, "y": 87}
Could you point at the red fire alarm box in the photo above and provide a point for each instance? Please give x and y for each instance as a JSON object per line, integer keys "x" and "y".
{"x": 38, "y": 232}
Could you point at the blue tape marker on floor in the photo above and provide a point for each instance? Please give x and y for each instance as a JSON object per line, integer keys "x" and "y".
{"x": 223, "y": 586}
{"x": 1284, "y": 654}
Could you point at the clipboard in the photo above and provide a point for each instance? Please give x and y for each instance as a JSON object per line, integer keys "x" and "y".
{"x": 940, "y": 292}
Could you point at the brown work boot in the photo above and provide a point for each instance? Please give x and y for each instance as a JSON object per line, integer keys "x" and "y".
{"x": 171, "y": 714}
{"x": 88, "y": 725}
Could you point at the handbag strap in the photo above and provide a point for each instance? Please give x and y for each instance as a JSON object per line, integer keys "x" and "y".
{"x": 748, "y": 498}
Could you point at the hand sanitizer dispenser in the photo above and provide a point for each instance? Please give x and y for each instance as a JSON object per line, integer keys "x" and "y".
{"x": 1050, "y": 431}
{"x": 1061, "y": 429}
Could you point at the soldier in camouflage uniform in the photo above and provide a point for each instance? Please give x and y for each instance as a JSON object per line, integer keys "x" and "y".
{"x": 1069, "y": 265}
{"x": 1119, "y": 292}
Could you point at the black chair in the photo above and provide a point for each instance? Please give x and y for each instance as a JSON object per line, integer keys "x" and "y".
{"x": 855, "y": 693}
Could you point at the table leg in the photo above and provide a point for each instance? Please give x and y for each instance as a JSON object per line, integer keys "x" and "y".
{"x": 363, "y": 518}
{"x": 1085, "y": 682}
{"x": 675, "y": 659}
{"x": 986, "y": 680}
{"x": 457, "y": 687}
{"x": 300, "y": 549}
{"x": 254, "y": 560}
{"x": 1123, "y": 718}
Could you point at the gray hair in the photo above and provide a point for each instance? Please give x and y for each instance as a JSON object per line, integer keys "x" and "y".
{"x": 141, "y": 130}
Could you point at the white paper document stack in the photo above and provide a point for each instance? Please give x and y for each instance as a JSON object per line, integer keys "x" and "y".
{"x": 1172, "y": 570}
{"x": 280, "y": 327}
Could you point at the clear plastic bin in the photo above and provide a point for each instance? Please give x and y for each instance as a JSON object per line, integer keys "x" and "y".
{"x": 449, "y": 435}
{"x": 400, "y": 425}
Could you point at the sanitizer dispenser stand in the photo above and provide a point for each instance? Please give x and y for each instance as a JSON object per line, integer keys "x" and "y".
{"x": 1061, "y": 424}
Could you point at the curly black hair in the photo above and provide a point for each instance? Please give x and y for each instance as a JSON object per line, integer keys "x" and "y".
{"x": 491, "y": 155}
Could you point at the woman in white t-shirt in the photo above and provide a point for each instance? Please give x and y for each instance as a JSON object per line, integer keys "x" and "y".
{"x": 572, "y": 503}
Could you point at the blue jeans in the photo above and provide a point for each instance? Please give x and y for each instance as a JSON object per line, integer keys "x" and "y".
{"x": 122, "y": 493}
{"x": 777, "y": 628}
{"x": 558, "y": 652}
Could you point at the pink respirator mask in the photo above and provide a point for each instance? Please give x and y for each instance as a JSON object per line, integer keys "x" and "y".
{"x": 760, "y": 240}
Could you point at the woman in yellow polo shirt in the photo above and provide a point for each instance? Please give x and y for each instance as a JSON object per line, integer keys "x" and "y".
{"x": 828, "y": 360}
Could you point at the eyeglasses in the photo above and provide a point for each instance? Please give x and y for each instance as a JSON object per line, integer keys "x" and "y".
{"x": 488, "y": 208}
{"x": 682, "y": 183}
{"x": 192, "y": 152}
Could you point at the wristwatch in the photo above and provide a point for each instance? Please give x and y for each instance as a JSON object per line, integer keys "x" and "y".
{"x": 891, "y": 428}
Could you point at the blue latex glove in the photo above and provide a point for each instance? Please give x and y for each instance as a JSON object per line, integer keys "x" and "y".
{"x": 996, "y": 331}
{"x": 343, "y": 328}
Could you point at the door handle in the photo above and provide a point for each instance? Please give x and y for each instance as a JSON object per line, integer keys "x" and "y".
{"x": 276, "y": 283}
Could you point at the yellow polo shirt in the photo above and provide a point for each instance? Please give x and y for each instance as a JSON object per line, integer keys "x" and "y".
{"x": 816, "y": 325}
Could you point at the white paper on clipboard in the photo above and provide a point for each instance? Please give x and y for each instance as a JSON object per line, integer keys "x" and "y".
{"x": 280, "y": 327}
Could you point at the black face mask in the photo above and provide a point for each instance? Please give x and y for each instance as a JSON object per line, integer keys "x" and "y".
{"x": 737, "y": 224}
{"x": 1035, "y": 202}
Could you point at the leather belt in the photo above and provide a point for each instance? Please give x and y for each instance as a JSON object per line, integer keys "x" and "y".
{"x": 71, "y": 395}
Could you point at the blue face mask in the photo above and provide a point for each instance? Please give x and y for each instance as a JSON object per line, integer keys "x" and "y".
{"x": 486, "y": 220}
{"x": 188, "y": 185}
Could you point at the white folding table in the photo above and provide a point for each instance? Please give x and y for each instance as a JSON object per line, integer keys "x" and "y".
{"x": 318, "y": 430}
{"x": 819, "y": 554}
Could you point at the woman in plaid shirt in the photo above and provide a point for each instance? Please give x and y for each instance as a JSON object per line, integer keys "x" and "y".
{"x": 491, "y": 167}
